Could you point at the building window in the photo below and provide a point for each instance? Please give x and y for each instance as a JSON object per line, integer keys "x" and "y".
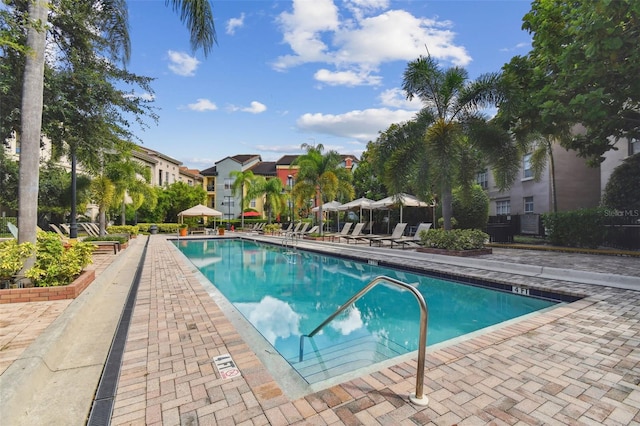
{"x": 166, "y": 178}
{"x": 252, "y": 203}
{"x": 528, "y": 204}
{"x": 227, "y": 184}
{"x": 482, "y": 178}
{"x": 160, "y": 177}
{"x": 503, "y": 207}
{"x": 634, "y": 146}
{"x": 526, "y": 167}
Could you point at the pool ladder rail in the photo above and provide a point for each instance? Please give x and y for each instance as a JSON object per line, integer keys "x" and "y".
{"x": 290, "y": 240}
{"x": 418, "y": 397}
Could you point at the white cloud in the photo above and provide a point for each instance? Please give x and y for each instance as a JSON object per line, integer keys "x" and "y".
{"x": 202, "y": 105}
{"x": 518, "y": 46}
{"x": 346, "y": 78}
{"x": 363, "y": 125}
{"x": 182, "y": 64}
{"x": 254, "y": 108}
{"x": 396, "y": 98}
{"x": 302, "y": 31}
{"x": 357, "y": 45}
{"x": 146, "y": 96}
{"x": 234, "y": 23}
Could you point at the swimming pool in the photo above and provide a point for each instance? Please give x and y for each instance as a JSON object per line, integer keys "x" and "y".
{"x": 285, "y": 294}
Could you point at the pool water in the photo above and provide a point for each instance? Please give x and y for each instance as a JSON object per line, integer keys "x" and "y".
{"x": 285, "y": 294}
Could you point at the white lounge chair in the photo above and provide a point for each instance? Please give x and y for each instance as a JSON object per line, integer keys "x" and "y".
{"x": 345, "y": 230}
{"x": 355, "y": 235}
{"x": 398, "y": 232}
{"x": 414, "y": 240}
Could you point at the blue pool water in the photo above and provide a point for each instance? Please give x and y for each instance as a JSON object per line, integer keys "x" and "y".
{"x": 286, "y": 294}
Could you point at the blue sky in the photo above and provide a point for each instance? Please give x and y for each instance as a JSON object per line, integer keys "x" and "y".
{"x": 286, "y": 73}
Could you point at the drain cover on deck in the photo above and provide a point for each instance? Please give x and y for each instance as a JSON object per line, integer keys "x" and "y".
{"x": 226, "y": 367}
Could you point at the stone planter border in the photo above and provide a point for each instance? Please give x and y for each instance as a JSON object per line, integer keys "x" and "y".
{"x": 45, "y": 294}
{"x": 459, "y": 253}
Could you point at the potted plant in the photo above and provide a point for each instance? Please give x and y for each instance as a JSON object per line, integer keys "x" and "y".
{"x": 182, "y": 229}
{"x": 221, "y": 230}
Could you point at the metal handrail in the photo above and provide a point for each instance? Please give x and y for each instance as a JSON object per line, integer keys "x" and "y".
{"x": 417, "y": 398}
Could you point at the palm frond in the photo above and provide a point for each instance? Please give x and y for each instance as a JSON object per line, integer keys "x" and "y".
{"x": 198, "y": 16}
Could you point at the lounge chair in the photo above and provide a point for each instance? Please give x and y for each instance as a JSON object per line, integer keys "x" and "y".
{"x": 345, "y": 230}
{"x": 301, "y": 232}
{"x": 295, "y": 230}
{"x": 355, "y": 235}
{"x": 91, "y": 232}
{"x": 414, "y": 240}
{"x": 398, "y": 232}
{"x": 13, "y": 229}
{"x": 312, "y": 230}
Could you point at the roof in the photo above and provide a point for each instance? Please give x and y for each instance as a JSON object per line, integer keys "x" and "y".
{"x": 264, "y": 168}
{"x": 154, "y": 153}
{"x": 286, "y": 160}
{"x": 211, "y": 171}
{"x": 242, "y": 158}
{"x": 191, "y": 172}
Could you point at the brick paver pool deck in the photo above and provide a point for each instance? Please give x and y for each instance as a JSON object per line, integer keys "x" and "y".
{"x": 576, "y": 364}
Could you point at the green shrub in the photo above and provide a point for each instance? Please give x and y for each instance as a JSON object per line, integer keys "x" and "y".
{"x": 623, "y": 189}
{"x": 455, "y": 239}
{"x": 124, "y": 229}
{"x": 471, "y": 211}
{"x": 12, "y": 257}
{"x": 56, "y": 265}
{"x": 272, "y": 228}
{"x": 577, "y": 228}
{"x": 119, "y": 238}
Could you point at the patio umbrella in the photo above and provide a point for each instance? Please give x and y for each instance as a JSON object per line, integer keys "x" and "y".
{"x": 402, "y": 199}
{"x": 199, "y": 211}
{"x": 360, "y": 203}
{"x": 331, "y": 206}
{"x": 251, "y": 214}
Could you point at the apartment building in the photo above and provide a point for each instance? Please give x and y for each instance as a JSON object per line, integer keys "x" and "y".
{"x": 166, "y": 170}
{"x": 577, "y": 185}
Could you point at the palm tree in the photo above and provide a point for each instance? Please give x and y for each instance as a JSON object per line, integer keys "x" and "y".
{"x": 199, "y": 19}
{"x": 320, "y": 177}
{"x": 103, "y": 192}
{"x": 275, "y": 199}
{"x": 458, "y": 138}
{"x": 241, "y": 180}
{"x": 129, "y": 178}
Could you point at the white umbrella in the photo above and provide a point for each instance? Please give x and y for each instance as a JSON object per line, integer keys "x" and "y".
{"x": 402, "y": 199}
{"x": 360, "y": 203}
{"x": 331, "y": 206}
{"x": 199, "y": 210}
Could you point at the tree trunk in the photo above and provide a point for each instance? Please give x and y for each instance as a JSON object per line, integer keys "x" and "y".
{"x": 102, "y": 215}
{"x": 31, "y": 125}
{"x": 552, "y": 171}
{"x": 123, "y": 215}
{"x": 447, "y": 205}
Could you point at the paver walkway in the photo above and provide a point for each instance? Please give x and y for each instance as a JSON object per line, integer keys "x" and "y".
{"x": 576, "y": 364}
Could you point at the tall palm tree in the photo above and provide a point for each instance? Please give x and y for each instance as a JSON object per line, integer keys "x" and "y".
{"x": 275, "y": 198}
{"x": 129, "y": 178}
{"x": 103, "y": 192}
{"x": 457, "y": 135}
{"x": 242, "y": 180}
{"x": 321, "y": 177}
{"x": 199, "y": 20}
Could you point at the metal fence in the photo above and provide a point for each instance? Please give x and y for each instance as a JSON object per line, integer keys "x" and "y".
{"x": 622, "y": 231}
